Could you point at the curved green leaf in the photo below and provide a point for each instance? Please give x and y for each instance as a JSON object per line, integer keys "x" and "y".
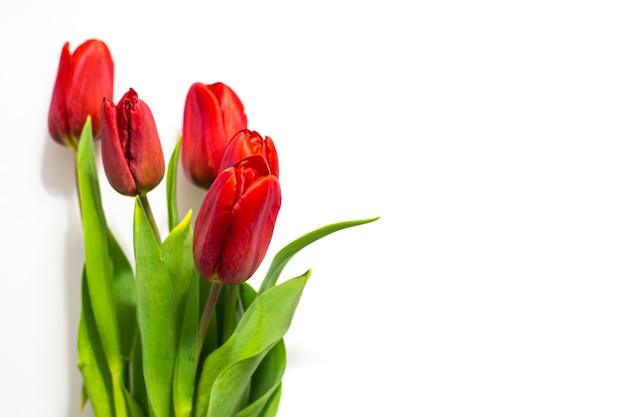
{"x": 231, "y": 384}
{"x": 134, "y": 407}
{"x": 97, "y": 261}
{"x": 123, "y": 294}
{"x": 229, "y": 368}
{"x": 267, "y": 377}
{"x": 138, "y": 382}
{"x": 170, "y": 185}
{"x": 98, "y": 264}
{"x": 92, "y": 361}
{"x": 186, "y": 358}
{"x": 177, "y": 251}
{"x": 247, "y": 294}
{"x": 156, "y": 314}
{"x": 285, "y": 254}
{"x": 265, "y": 381}
{"x": 271, "y": 409}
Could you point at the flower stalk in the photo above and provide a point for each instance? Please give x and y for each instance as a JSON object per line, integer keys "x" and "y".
{"x": 207, "y": 313}
{"x": 146, "y": 206}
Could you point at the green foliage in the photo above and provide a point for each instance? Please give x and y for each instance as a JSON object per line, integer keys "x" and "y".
{"x": 229, "y": 368}
{"x": 285, "y": 254}
{"x": 170, "y": 186}
{"x": 156, "y": 314}
{"x": 138, "y": 346}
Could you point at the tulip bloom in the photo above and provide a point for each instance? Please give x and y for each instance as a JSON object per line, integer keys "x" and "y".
{"x": 236, "y": 221}
{"x": 131, "y": 148}
{"x": 213, "y": 114}
{"x": 83, "y": 79}
{"x": 246, "y": 143}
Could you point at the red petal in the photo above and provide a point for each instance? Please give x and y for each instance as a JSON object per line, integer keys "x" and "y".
{"x": 144, "y": 154}
{"x": 233, "y": 112}
{"x": 57, "y": 115}
{"x": 212, "y": 223}
{"x": 113, "y": 158}
{"x": 271, "y": 155}
{"x": 248, "y": 239}
{"x": 91, "y": 80}
{"x": 203, "y": 136}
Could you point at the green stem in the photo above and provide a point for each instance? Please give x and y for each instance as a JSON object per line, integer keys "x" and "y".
{"x": 118, "y": 395}
{"x": 209, "y": 307}
{"x": 146, "y": 206}
{"x": 230, "y": 312}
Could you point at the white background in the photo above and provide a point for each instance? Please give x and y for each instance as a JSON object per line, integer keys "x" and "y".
{"x": 490, "y": 136}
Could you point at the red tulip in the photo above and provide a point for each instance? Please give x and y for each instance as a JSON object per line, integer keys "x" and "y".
{"x": 236, "y": 221}
{"x": 131, "y": 148}
{"x": 246, "y": 143}
{"x": 84, "y": 78}
{"x": 213, "y": 114}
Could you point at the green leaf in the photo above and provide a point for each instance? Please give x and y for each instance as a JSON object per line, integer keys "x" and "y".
{"x": 123, "y": 294}
{"x": 186, "y": 358}
{"x": 285, "y": 254}
{"x": 270, "y": 372}
{"x": 99, "y": 267}
{"x": 97, "y": 260}
{"x": 133, "y": 406}
{"x": 92, "y": 361}
{"x": 227, "y": 370}
{"x": 125, "y": 301}
{"x": 177, "y": 251}
{"x": 170, "y": 184}
{"x": 231, "y": 384}
{"x": 271, "y": 409}
{"x": 247, "y": 294}
{"x": 156, "y": 314}
{"x": 138, "y": 382}
{"x": 265, "y": 381}
{"x": 268, "y": 376}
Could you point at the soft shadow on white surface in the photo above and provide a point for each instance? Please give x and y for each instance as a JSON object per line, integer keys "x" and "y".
{"x": 58, "y": 175}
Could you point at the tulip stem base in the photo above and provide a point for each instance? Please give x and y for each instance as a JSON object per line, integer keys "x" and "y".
{"x": 207, "y": 314}
{"x": 146, "y": 206}
{"x": 230, "y": 312}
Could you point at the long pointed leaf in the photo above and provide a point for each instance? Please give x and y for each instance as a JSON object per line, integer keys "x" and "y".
{"x": 170, "y": 185}
{"x": 177, "y": 251}
{"x": 271, "y": 409}
{"x": 123, "y": 294}
{"x": 92, "y": 361}
{"x": 138, "y": 382}
{"x": 266, "y": 380}
{"x": 186, "y": 359}
{"x": 285, "y": 254}
{"x": 134, "y": 407}
{"x": 231, "y": 384}
{"x": 98, "y": 263}
{"x": 156, "y": 314}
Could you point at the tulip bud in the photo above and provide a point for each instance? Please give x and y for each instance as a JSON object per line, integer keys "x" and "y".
{"x": 83, "y": 80}
{"x": 246, "y": 143}
{"x": 213, "y": 114}
{"x": 236, "y": 221}
{"x": 131, "y": 148}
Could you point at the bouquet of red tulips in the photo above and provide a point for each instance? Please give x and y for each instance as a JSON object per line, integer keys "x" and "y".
{"x": 176, "y": 330}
